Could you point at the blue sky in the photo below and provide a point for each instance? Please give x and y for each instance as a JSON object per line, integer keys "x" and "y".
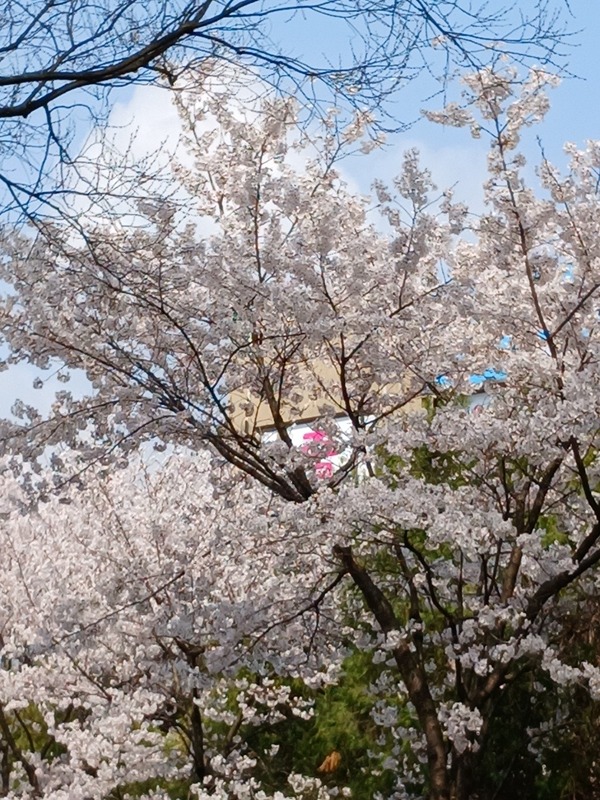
{"x": 575, "y": 114}
{"x": 453, "y": 156}
{"x": 450, "y": 153}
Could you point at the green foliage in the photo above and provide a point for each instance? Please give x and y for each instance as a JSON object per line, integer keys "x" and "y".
{"x": 342, "y": 722}
{"x": 451, "y": 468}
{"x": 552, "y": 534}
{"x": 30, "y": 731}
{"x": 526, "y": 757}
{"x": 176, "y": 790}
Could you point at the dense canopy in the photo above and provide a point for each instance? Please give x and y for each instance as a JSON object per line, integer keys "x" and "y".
{"x": 199, "y": 627}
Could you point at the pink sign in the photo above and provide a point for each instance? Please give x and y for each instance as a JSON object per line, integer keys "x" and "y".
{"x": 317, "y": 445}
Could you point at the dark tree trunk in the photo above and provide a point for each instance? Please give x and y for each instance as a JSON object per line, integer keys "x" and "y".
{"x": 412, "y": 672}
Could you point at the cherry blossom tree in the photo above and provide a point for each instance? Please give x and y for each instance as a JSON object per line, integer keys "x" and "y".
{"x": 61, "y": 61}
{"x": 143, "y": 642}
{"x": 449, "y": 549}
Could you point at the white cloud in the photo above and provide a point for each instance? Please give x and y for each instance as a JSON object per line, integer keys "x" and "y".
{"x": 457, "y": 165}
{"x": 146, "y": 123}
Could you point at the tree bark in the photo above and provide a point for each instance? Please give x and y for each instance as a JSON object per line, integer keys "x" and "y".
{"x": 412, "y": 672}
